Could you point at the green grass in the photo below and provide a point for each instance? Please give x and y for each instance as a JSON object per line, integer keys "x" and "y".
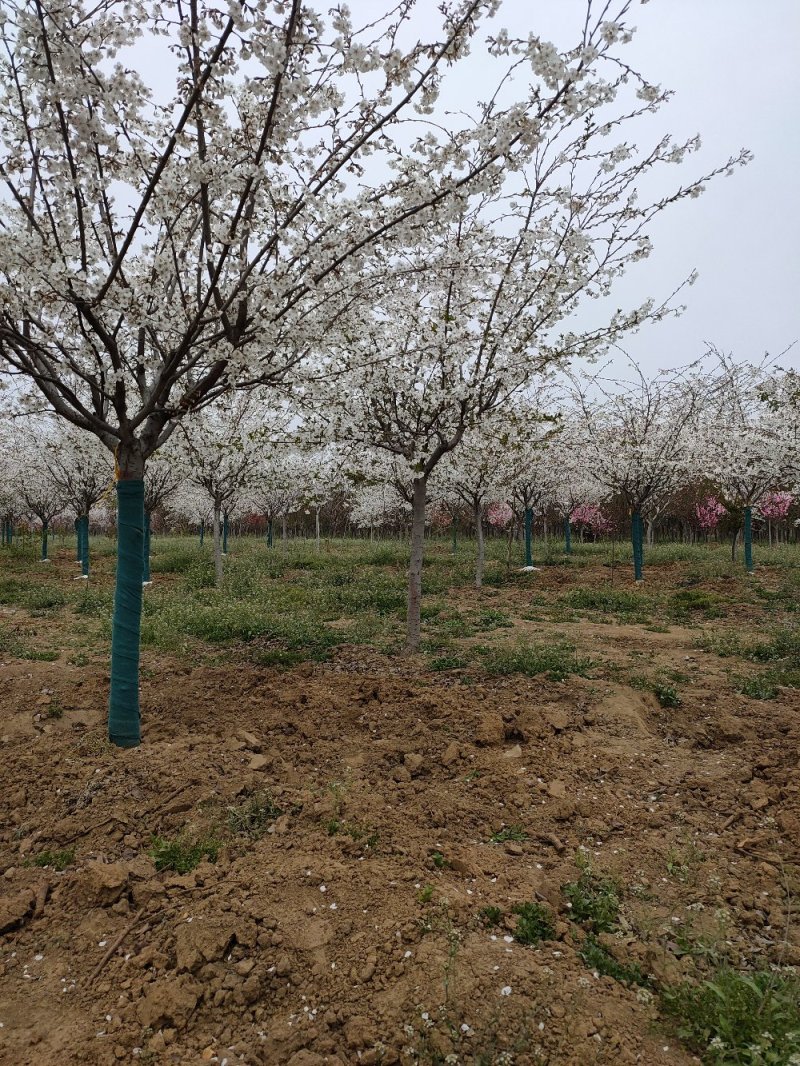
{"x": 606, "y": 600}
{"x": 557, "y": 660}
{"x": 181, "y": 854}
{"x": 688, "y": 602}
{"x": 738, "y": 1018}
{"x": 253, "y": 815}
{"x": 490, "y": 915}
{"x": 509, "y": 832}
{"x": 56, "y": 860}
{"x": 760, "y": 687}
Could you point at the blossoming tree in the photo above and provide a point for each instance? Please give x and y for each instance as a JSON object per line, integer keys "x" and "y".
{"x": 158, "y": 248}
{"x": 640, "y": 439}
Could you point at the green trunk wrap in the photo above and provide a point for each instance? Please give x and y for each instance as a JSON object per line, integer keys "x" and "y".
{"x": 146, "y": 549}
{"x": 528, "y": 535}
{"x": 123, "y": 706}
{"x": 748, "y": 539}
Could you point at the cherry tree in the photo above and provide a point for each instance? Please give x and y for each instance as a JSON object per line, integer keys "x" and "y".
{"x": 471, "y": 311}
{"x": 82, "y": 471}
{"x": 375, "y": 504}
{"x": 158, "y": 248}
{"x": 474, "y": 474}
{"x": 275, "y": 489}
{"x": 640, "y": 439}
{"x": 162, "y": 480}
{"x": 749, "y": 439}
{"x": 218, "y": 451}
{"x": 34, "y": 484}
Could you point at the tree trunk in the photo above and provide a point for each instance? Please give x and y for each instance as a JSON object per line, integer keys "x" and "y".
{"x": 316, "y": 529}
{"x": 478, "y": 513}
{"x": 567, "y": 536}
{"x": 528, "y": 536}
{"x": 146, "y": 550}
{"x": 124, "y": 728}
{"x": 283, "y": 533}
{"x": 85, "y": 546}
{"x": 637, "y": 542}
{"x": 217, "y": 546}
{"x": 202, "y": 531}
{"x": 454, "y": 524}
{"x": 734, "y": 542}
{"x": 225, "y": 534}
{"x": 650, "y": 530}
{"x": 269, "y": 532}
{"x": 44, "y": 543}
{"x": 748, "y": 539}
{"x": 415, "y": 565}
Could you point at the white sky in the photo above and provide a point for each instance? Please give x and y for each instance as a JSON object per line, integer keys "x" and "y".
{"x": 735, "y": 69}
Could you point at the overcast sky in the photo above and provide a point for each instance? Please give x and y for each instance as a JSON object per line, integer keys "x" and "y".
{"x": 735, "y": 69}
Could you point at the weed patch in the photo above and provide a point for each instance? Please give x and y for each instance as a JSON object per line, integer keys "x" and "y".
{"x": 600, "y": 959}
{"x": 594, "y": 901}
{"x": 182, "y": 855}
{"x": 253, "y": 815}
{"x": 752, "y": 1019}
{"x": 56, "y": 860}
{"x": 557, "y": 661}
{"x": 534, "y": 923}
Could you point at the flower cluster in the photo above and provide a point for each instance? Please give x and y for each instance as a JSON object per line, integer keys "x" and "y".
{"x": 709, "y": 513}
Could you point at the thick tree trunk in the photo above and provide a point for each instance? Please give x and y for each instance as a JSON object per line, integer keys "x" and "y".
{"x": 124, "y": 728}
{"x": 479, "y": 563}
{"x": 217, "y": 545}
{"x": 415, "y": 565}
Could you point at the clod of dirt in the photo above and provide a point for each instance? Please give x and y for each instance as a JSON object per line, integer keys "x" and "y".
{"x": 15, "y": 909}
{"x": 168, "y": 1001}
{"x": 490, "y": 730}
{"x": 100, "y": 884}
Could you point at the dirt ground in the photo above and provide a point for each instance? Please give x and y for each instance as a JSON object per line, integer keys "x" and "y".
{"x": 350, "y": 929}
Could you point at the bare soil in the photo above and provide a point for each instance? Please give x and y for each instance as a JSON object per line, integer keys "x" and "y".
{"x": 350, "y": 930}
